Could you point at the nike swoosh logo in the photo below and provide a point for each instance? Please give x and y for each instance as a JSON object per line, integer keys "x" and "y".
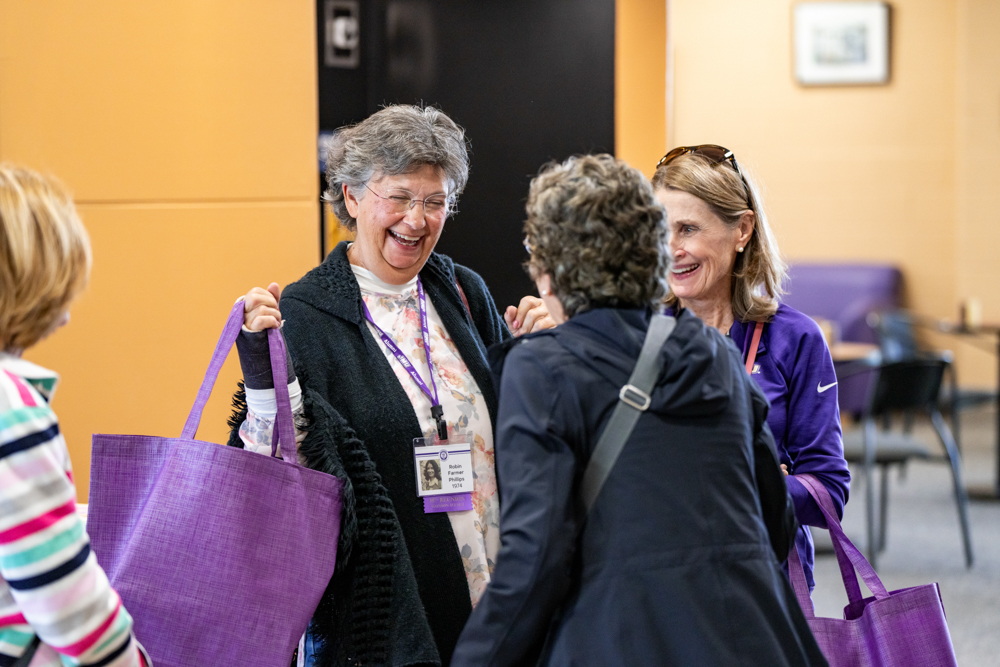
{"x": 820, "y": 388}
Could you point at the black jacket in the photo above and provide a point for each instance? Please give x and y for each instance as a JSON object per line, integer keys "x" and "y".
{"x": 674, "y": 564}
{"x": 359, "y": 414}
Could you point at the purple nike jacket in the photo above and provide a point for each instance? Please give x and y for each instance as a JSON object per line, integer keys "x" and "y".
{"x": 794, "y": 369}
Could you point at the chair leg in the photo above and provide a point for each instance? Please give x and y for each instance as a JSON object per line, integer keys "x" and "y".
{"x": 883, "y": 507}
{"x": 953, "y": 407}
{"x": 908, "y": 422}
{"x": 961, "y": 497}
{"x": 869, "y": 467}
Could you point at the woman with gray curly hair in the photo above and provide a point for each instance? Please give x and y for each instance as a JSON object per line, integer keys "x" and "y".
{"x": 388, "y": 340}
{"x": 673, "y": 560}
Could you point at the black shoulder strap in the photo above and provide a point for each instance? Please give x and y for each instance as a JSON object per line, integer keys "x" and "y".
{"x": 633, "y": 399}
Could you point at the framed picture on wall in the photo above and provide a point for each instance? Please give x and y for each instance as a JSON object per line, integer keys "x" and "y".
{"x": 841, "y": 43}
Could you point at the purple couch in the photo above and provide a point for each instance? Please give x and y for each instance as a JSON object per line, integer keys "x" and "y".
{"x": 845, "y": 294}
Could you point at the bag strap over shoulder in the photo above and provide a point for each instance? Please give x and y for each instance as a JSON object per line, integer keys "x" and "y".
{"x": 758, "y": 329}
{"x": 633, "y": 399}
{"x": 465, "y": 301}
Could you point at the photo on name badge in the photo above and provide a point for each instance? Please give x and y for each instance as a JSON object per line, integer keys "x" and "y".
{"x": 430, "y": 477}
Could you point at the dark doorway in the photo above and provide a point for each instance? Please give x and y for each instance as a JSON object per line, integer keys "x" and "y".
{"x": 530, "y": 81}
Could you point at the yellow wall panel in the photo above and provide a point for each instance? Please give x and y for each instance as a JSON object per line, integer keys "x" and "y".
{"x": 640, "y": 82}
{"x": 978, "y": 175}
{"x": 187, "y": 131}
{"x": 849, "y": 172}
{"x": 164, "y": 280}
{"x": 162, "y": 101}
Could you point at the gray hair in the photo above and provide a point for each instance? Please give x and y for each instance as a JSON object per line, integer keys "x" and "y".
{"x": 596, "y": 228}
{"x": 395, "y": 140}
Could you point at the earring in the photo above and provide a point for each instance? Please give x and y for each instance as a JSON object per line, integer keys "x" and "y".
{"x": 545, "y": 292}
{"x": 740, "y": 249}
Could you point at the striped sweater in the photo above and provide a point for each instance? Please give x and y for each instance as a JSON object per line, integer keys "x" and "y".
{"x": 51, "y": 583}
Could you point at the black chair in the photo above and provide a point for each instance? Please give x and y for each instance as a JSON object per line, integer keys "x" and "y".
{"x": 897, "y": 341}
{"x": 910, "y": 387}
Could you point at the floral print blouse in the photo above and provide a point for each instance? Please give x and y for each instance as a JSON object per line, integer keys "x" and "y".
{"x": 395, "y": 309}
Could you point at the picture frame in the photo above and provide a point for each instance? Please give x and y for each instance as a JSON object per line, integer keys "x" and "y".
{"x": 841, "y": 43}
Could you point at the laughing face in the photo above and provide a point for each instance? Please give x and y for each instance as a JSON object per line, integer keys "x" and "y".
{"x": 394, "y": 244}
{"x": 704, "y": 249}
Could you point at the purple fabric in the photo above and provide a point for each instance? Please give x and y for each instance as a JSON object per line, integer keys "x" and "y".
{"x": 793, "y": 364}
{"x": 845, "y": 294}
{"x": 890, "y": 628}
{"x": 221, "y": 555}
{"x": 455, "y": 502}
{"x": 401, "y": 357}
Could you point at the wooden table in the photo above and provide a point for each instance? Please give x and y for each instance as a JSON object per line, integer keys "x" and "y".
{"x": 985, "y": 329}
{"x": 848, "y": 351}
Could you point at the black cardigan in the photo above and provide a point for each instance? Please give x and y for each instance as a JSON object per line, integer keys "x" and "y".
{"x": 359, "y": 410}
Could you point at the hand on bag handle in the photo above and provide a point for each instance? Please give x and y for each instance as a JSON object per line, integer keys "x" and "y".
{"x": 284, "y": 429}
{"x": 260, "y": 308}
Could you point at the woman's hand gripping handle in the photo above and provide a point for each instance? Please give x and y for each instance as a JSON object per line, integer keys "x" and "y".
{"x": 260, "y": 308}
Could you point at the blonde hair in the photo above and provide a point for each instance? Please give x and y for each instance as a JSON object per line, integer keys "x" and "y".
{"x": 759, "y": 271}
{"x": 44, "y": 255}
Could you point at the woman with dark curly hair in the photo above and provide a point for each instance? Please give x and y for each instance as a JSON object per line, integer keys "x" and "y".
{"x": 674, "y": 562}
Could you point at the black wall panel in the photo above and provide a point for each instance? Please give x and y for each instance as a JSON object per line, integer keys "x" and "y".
{"x": 530, "y": 81}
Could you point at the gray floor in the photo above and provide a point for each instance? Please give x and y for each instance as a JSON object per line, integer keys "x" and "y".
{"x": 924, "y": 542}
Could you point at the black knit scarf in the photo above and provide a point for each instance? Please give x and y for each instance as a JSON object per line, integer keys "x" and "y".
{"x": 352, "y": 621}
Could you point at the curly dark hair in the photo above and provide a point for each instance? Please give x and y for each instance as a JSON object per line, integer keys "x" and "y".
{"x": 596, "y": 228}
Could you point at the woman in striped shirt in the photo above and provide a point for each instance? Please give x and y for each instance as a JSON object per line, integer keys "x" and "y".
{"x": 55, "y": 599}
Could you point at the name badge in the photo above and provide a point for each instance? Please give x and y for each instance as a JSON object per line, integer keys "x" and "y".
{"x": 443, "y": 468}
{"x": 444, "y": 473}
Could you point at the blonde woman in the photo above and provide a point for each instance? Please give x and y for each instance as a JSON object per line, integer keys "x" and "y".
{"x": 727, "y": 272}
{"x": 55, "y": 600}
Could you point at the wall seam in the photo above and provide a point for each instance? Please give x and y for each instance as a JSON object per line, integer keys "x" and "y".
{"x": 192, "y": 203}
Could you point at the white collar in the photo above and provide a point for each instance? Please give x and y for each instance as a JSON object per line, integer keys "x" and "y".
{"x": 370, "y": 283}
{"x": 42, "y": 379}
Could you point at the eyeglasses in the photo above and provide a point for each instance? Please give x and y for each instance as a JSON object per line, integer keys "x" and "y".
{"x": 401, "y": 204}
{"x": 715, "y": 154}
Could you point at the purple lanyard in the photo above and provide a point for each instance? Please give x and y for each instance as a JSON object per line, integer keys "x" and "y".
{"x": 437, "y": 412}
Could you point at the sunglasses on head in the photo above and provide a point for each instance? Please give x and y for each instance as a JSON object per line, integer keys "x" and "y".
{"x": 713, "y": 153}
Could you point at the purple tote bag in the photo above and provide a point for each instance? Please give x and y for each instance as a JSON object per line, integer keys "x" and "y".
{"x": 219, "y": 554}
{"x": 904, "y": 628}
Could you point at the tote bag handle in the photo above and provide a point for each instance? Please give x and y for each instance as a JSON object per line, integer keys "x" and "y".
{"x": 848, "y": 556}
{"x": 284, "y": 429}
